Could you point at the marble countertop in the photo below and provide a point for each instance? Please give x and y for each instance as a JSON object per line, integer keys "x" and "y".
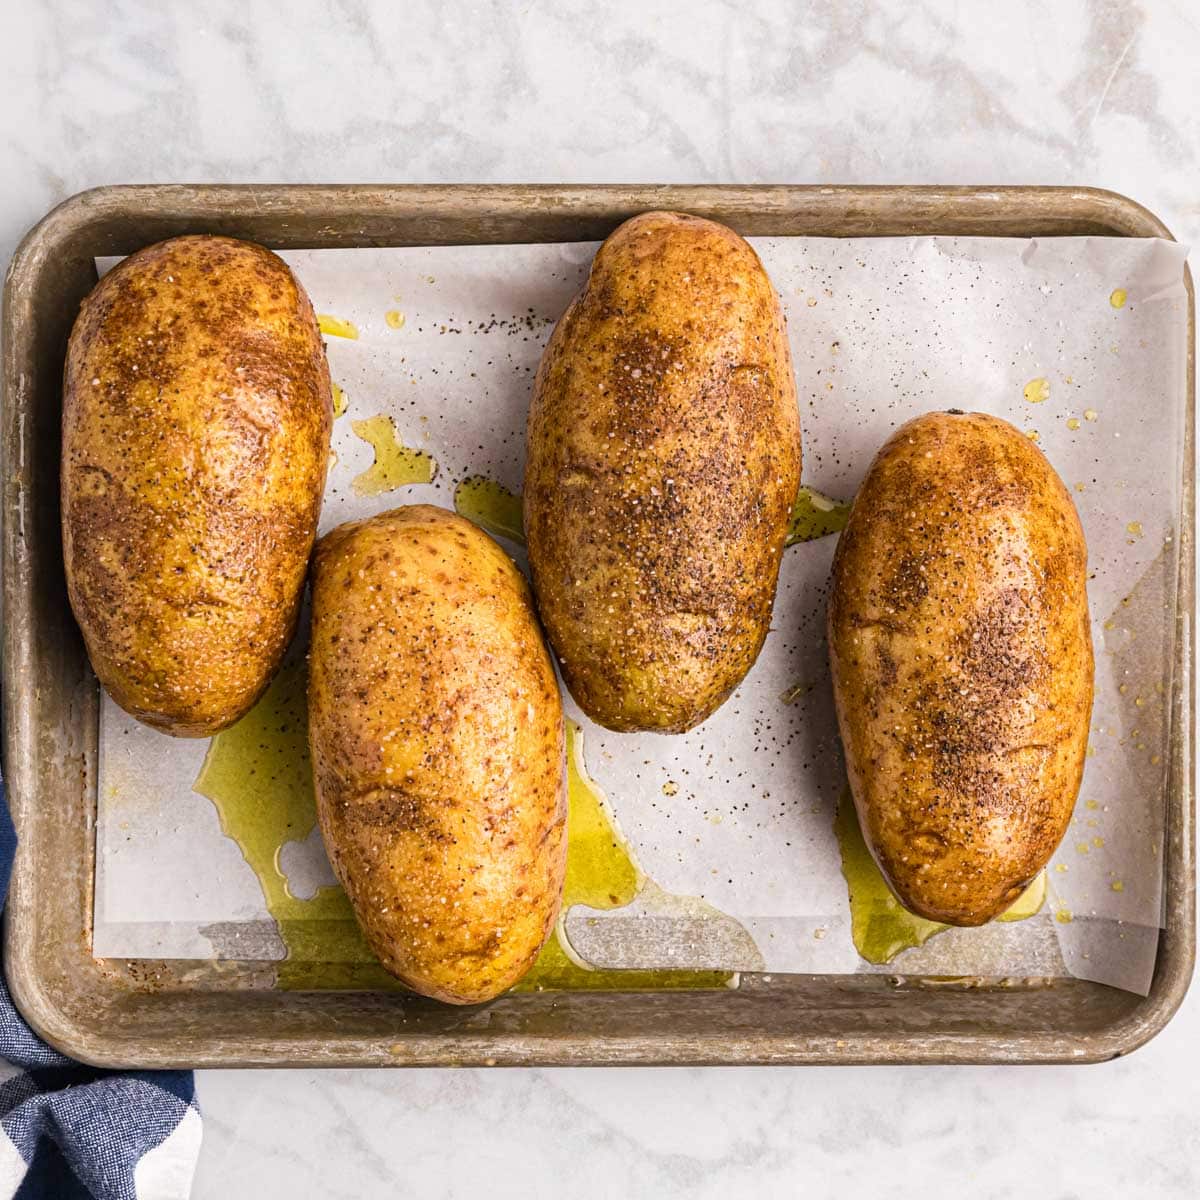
{"x": 1078, "y": 92}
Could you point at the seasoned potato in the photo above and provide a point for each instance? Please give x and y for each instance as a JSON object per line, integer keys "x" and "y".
{"x": 962, "y": 663}
{"x": 663, "y": 457}
{"x": 195, "y": 442}
{"x": 437, "y": 745}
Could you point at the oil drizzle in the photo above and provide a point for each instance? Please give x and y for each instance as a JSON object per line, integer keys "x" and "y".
{"x": 880, "y": 926}
{"x": 258, "y": 775}
{"x": 395, "y": 463}
{"x": 490, "y": 506}
{"x": 602, "y": 874}
{"x": 336, "y": 327}
{"x": 815, "y": 516}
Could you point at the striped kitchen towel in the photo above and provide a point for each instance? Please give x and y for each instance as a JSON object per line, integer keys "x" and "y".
{"x": 69, "y": 1131}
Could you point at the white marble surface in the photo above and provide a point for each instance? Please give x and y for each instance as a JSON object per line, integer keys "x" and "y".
{"x": 348, "y": 90}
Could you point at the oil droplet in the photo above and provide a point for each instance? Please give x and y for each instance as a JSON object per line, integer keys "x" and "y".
{"x": 395, "y": 464}
{"x": 258, "y": 775}
{"x": 490, "y": 506}
{"x": 1079, "y": 487}
{"x": 1090, "y": 414}
{"x": 1062, "y": 868}
{"x": 1118, "y": 886}
{"x": 339, "y": 401}
{"x": 880, "y": 925}
{"x": 1063, "y": 916}
{"x": 1081, "y": 847}
{"x": 394, "y": 318}
{"x": 670, "y": 788}
{"x": 1073, "y": 423}
{"x": 1092, "y": 804}
{"x": 336, "y": 327}
{"x": 1037, "y": 391}
{"x": 1118, "y": 297}
{"x": 603, "y": 874}
{"x": 1098, "y": 842}
{"x": 1033, "y": 435}
{"x": 1134, "y": 527}
{"x": 815, "y": 516}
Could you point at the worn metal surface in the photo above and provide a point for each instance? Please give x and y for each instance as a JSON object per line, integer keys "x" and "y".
{"x": 168, "y": 1013}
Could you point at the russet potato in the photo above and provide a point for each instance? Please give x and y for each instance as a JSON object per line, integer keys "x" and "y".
{"x": 195, "y": 444}
{"x": 663, "y": 458}
{"x": 437, "y": 743}
{"x": 962, "y": 667}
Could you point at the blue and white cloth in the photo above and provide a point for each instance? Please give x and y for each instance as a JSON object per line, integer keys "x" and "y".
{"x": 68, "y": 1131}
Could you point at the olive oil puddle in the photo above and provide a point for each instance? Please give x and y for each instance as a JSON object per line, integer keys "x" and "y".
{"x": 395, "y": 463}
{"x": 491, "y": 506}
{"x": 601, "y": 874}
{"x": 815, "y": 516}
{"x": 259, "y": 777}
{"x": 879, "y": 925}
{"x": 498, "y": 510}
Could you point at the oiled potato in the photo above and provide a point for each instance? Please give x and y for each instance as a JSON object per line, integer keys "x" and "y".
{"x": 195, "y": 442}
{"x": 962, "y": 663}
{"x": 437, "y": 745}
{"x": 663, "y": 457}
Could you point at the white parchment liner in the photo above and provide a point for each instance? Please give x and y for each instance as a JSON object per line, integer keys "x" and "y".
{"x": 740, "y": 811}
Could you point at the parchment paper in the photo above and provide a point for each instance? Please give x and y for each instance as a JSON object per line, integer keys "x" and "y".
{"x": 739, "y": 812}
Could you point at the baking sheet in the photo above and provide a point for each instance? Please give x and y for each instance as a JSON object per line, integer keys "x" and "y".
{"x": 734, "y": 820}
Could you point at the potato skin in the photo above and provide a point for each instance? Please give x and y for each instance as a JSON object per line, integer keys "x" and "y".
{"x": 962, "y": 664}
{"x": 663, "y": 458}
{"x": 195, "y": 442}
{"x": 438, "y": 750}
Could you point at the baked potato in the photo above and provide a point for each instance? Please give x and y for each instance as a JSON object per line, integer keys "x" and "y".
{"x": 195, "y": 443}
{"x": 437, "y": 743}
{"x": 961, "y": 656}
{"x": 663, "y": 458}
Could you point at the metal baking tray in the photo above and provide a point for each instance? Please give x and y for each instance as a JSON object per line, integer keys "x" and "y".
{"x": 163, "y": 1013}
